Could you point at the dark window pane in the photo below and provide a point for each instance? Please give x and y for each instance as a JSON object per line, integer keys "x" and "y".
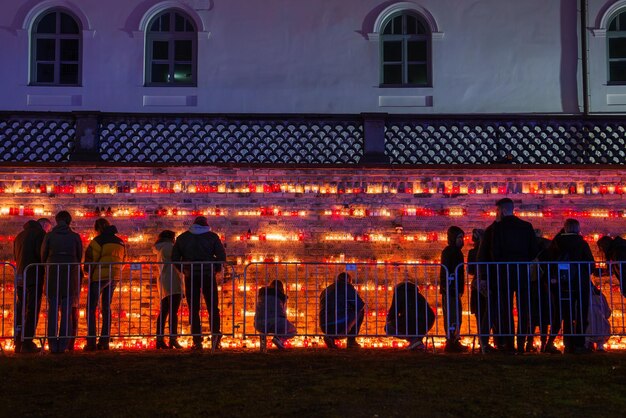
{"x": 617, "y": 71}
{"x": 416, "y": 51}
{"x": 45, "y": 73}
{"x": 165, "y": 22}
{"x": 617, "y": 47}
{"x": 160, "y": 73}
{"x": 182, "y": 50}
{"x": 160, "y": 50}
{"x": 397, "y": 25}
{"x": 45, "y": 50}
{"x": 69, "y": 49}
{"x": 48, "y": 24}
{"x": 69, "y": 74}
{"x": 392, "y": 51}
{"x": 417, "y": 74}
{"x": 183, "y": 73}
{"x": 181, "y": 23}
{"x": 392, "y": 74}
{"x": 613, "y": 24}
{"x": 68, "y": 24}
{"x": 411, "y": 25}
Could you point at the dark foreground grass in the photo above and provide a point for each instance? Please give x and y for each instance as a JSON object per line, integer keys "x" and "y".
{"x": 312, "y": 382}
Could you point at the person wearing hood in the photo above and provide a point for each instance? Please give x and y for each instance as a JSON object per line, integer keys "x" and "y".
{"x": 108, "y": 251}
{"x": 270, "y": 316}
{"x": 614, "y": 251}
{"x": 572, "y": 267}
{"x": 170, "y": 290}
{"x": 200, "y": 252}
{"x": 451, "y": 288}
{"x": 29, "y": 289}
{"x": 63, "y": 248}
{"x": 512, "y": 243}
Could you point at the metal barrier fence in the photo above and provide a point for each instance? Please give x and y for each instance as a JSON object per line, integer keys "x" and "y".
{"x": 395, "y": 304}
{"x": 120, "y": 301}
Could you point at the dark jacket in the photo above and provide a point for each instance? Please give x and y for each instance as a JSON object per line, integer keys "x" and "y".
{"x": 617, "y": 252}
{"x": 338, "y": 302}
{"x": 570, "y": 247}
{"x": 508, "y": 240}
{"x": 105, "y": 248}
{"x": 409, "y": 313}
{"x": 198, "y": 244}
{"x": 27, "y": 250}
{"x": 270, "y": 308}
{"x": 62, "y": 245}
{"x": 452, "y": 258}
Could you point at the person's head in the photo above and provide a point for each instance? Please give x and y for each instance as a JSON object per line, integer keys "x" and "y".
{"x": 571, "y": 226}
{"x": 504, "y": 207}
{"x": 45, "y": 224}
{"x": 201, "y": 220}
{"x": 477, "y": 235}
{"x": 63, "y": 217}
{"x": 455, "y": 236}
{"x": 166, "y": 235}
{"x": 604, "y": 244}
{"x": 345, "y": 277}
{"x": 278, "y": 285}
{"x": 100, "y": 225}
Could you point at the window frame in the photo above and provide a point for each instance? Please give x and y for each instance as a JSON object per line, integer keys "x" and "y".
{"x": 170, "y": 36}
{"x": 57, "y": 37}
{"x": 405, "y": 39}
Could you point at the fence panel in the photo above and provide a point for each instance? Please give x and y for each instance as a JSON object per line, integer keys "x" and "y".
{"x": 132, "y": 289}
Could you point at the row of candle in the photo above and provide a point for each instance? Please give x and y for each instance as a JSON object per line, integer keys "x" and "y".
{"x": 335, "y": 213}
{"x": 446, "y": 187}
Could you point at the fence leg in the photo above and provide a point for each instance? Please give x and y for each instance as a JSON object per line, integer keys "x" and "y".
{"x": 263, "y": 343}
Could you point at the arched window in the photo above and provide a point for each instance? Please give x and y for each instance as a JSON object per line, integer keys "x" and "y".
{"x": 616, "y": 37}
{"x": 171, "y": 50}
{"x": 405, "y": 51}
{"x": 56, "y": 49}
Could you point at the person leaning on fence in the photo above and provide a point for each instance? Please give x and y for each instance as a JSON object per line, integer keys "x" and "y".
{"x": 539, "y": 295}
{"x": 270, "y": 316}
{"x": 614, "y": 251}
{"x": 107, "y": 250}
{"x": 572, "y": 265}
{"x": 204, "y": 248}
{"x": 341, "y": 312}
{"x": 410, "y": 316}
{"x": 60, "y": 247}
{"x": 29, "y": 289}
{"x": 511, "y": 242}
{"x": 479, "y": 295}
{"x": 170, "y": 290}
{"x": 451, "y": 288}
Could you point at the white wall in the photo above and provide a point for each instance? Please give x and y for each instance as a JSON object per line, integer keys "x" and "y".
{"x": 302, "y": 56}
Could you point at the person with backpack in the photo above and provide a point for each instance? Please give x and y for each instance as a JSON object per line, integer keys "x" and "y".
{"x": 410, "y": 316}
{"x": 200, "y": 254}
{"x": 571, "y": 269}
{"x": 108, "y": 251}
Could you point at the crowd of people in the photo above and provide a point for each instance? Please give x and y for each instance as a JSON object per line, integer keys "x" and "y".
{"x": 510, "y": 265}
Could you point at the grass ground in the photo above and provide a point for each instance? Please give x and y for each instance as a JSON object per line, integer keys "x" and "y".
{"x": 311, "y": 382}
